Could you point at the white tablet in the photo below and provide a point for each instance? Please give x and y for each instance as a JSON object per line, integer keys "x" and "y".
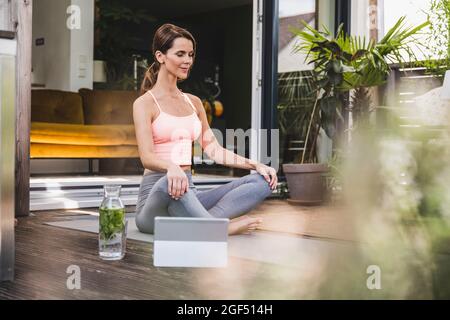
{"x": 190, "y": 242}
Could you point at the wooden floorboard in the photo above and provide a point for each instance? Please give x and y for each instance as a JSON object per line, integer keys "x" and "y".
{"x": 43, "y": 254}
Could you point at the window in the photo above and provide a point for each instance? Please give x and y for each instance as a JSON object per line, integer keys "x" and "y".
{"x": 291, "y": 12}
{"x": 294, "y": 98}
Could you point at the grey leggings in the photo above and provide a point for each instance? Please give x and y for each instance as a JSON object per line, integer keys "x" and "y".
{"x": 226, "y": 201}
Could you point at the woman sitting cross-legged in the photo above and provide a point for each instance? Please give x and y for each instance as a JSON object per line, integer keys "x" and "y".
{"x": 167, "y": 121}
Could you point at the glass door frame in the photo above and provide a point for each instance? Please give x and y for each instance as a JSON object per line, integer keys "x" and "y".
{"x": 264, "y": 75}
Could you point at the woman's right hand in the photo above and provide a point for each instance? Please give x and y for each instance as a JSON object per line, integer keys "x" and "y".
{"x": 178, "y": 182}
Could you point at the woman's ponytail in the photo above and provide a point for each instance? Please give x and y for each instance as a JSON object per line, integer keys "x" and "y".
{"x": 150, "y": 77}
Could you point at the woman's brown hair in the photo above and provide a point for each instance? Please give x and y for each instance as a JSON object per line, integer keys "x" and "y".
{"x": 163, "y": 41}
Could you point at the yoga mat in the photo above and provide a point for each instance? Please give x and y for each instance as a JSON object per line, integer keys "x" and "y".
{"x": 263, "y": 246}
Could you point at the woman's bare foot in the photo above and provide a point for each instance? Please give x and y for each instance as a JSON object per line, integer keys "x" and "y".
{"x": 244, "y": 225}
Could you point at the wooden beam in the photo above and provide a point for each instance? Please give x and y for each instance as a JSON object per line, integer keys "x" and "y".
{"x": 23, "y": 106}
{"x": 7, "y": 159}
{"x": 373, "y": 35}
{"x": 7, "y": 139}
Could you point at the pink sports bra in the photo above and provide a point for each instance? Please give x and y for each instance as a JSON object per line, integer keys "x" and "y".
{"x": 173, "y": 135}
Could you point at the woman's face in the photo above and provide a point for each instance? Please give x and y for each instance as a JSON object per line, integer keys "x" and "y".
{"x": 178, "y": 59}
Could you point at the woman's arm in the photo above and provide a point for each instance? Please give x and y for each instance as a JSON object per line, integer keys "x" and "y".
{"x": 223, "y": 156}
{"x": 228, "y": 158}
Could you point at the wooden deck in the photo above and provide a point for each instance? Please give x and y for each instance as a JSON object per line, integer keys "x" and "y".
{"x": 43, "y": 254}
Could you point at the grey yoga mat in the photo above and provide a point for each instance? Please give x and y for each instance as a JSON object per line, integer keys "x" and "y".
{"x": 268, "y": 247}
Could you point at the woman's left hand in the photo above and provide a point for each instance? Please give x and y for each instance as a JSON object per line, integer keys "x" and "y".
{"x": 269, "y": 173}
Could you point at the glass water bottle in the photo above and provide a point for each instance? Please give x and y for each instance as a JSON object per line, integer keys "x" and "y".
{"x": 112, "y": 225}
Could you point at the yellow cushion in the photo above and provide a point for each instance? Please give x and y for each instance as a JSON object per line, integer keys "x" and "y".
{"x": 108, "y": 106}
{"x": 43, "y": 150}
{"x": 130, "y": 133}
{"x": 88, "y": 124}
{"x": 56, "y": 106}
{"x": 88, "y": 135}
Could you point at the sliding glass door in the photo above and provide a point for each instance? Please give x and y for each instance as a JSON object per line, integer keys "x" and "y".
{"x": 294, "y": 79}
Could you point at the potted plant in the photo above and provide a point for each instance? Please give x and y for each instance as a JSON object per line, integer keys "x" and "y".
{"x": 296, "y": 100}
{"x": 341, "y": 64}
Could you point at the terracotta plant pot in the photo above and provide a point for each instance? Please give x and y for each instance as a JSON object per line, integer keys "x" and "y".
{"x": 306, "y": 183}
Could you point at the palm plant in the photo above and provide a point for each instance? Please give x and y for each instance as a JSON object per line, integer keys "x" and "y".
{"x": 343, "y": 63}
{"x": 372, "y": 65}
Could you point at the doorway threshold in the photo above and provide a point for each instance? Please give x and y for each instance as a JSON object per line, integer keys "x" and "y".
{"x": 74, "y": 192}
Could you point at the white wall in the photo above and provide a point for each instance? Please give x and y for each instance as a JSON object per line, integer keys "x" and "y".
{"x": 289, "y": 61}
{"x": 360, "y": 18}
{"x": 50, "y": 61}
{"x": 82, "y": 47}
{"x": 326, "y": 14}
{"x": 65, "y": 61}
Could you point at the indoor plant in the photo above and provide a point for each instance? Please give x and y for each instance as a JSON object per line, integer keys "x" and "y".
{"x": 115, "y": 40}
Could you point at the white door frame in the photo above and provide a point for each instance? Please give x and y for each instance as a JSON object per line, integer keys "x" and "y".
{"x": 255, "y": 147}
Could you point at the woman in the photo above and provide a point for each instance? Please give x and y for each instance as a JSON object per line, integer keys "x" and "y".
{"x": 167, "y": 121}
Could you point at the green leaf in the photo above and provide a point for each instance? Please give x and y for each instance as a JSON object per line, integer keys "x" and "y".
{"x": 336, "y": 79}
{"x": 111, "y": 221}
{"x": 337, "y": 66}
{"x": 358, "y": 54}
